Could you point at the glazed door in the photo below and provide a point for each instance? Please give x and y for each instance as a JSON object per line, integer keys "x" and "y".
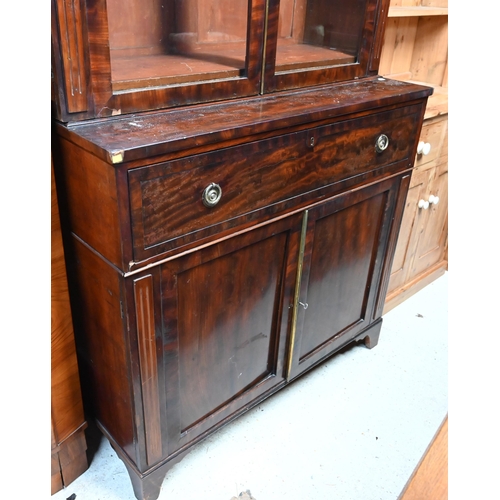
{"x": 313, "y": 42}
{"x": 158, "y": 43}
{"x": 224, "y": 328}
{"x": 344, "y": 269}
{"x": 113, "y": 57}
{"x": 152, "y": 54}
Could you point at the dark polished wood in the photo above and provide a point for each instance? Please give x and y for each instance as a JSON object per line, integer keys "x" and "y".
{"x": 337, "y": 17}
{"x": 118, "y": 67}
{"x": 188, "y": 313}
{"x": 70, "y": 72}
{"x": 226, "y": 326}
{"x": 133, "y": 139}
{"x": 166, "y": 199}
{"x": 104, "y": 352}
{"x": 282, "y": 175}
{"x": 346, "y": 243}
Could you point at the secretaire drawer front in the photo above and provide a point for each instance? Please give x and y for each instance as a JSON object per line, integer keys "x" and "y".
{"x": 182, "y": 201}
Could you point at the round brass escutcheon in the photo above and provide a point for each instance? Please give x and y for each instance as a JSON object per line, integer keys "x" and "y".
{"x": 211, "y": 195}
{"x": 382, "y": 143}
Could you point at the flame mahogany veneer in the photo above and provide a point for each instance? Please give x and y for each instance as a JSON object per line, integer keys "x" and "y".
{"x": 186, "y": 315}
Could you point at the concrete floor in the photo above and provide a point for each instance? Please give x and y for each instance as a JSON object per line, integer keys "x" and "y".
{"x": 352, "y": 429}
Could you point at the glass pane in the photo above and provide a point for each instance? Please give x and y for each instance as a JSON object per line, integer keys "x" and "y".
{"x": 316, "y": 33}
{"x": 167, "y": 42}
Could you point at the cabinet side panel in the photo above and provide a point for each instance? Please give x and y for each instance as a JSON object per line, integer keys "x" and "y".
{"x": 407, "y": 236}
{"x": 87, "y": 189}
{"x": 100, "y": 334}
{"x": 401, "y": 193}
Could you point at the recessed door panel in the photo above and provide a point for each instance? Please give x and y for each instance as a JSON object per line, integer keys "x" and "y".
{"x": 344, "y": 245}
{"x": 227, "y": 338}
{"x": 343, "y": 261}
{"x": 225, "y": 326}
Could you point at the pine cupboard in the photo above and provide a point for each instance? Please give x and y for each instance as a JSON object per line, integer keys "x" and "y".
{"x": 233, "y": 180}
{"x": 415, "y": 49}
{"x": 421, "y": 253}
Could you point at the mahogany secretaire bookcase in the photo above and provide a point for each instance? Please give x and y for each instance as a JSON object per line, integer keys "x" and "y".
{"x": 232, "y": 176}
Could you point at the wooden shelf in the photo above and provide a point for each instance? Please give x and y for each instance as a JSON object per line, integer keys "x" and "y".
{"x": 211, "y": 62}
{"x": 417, "y": 11}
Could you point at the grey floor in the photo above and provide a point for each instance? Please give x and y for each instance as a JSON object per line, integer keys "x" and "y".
{"x": 352, "y": 429}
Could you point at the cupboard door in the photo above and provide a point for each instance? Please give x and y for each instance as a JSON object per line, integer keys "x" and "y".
{"x": 225, "y": 320}
{"x": 312, "y": 42}
{"x": 434, "y": 223}
{"x": 152, "y": 54}
{"x": 157, "y": 43}
{"x": 343, "y": 265}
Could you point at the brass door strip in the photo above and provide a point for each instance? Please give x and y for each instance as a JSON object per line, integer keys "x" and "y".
{"x": 296, "y": 300}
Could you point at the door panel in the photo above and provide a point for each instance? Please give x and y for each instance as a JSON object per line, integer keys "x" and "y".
{"x": 314, "y": 42}
{"x": 227, "y": 338}
{"x": 343, "y": 261}
{"x": 225, "y": 326}
{"x": 432, "y": 239}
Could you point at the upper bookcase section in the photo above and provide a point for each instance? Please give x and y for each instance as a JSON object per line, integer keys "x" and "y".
{"x": 113, "y": 57}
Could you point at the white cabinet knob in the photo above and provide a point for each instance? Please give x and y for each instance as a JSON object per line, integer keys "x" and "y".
{"x": 423, "y": 204}
{"x": 433, "y": 199}
{"x": 423, "y": 148}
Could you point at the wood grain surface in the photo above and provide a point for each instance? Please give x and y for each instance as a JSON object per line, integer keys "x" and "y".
{"x": 430, "y": 479}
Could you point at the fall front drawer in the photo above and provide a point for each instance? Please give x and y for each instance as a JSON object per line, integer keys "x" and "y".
{"x": 183, "y": 201}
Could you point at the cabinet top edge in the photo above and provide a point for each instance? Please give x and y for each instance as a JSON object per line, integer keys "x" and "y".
{"x": 132, "y": 137}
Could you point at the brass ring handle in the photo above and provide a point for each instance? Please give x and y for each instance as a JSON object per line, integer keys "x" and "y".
{"x": 211, "y": 195}
{"x": 382, "y": 143}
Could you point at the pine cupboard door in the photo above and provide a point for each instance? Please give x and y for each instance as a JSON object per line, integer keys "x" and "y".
{"x": 349, "y": 244}
{"x": 224, "y": 314}
{"x": 433, "y": 236}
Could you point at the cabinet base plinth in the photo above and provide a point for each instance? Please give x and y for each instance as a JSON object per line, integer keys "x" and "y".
{"x": 147, "y": 487}
{"x": 371, "y": 336}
